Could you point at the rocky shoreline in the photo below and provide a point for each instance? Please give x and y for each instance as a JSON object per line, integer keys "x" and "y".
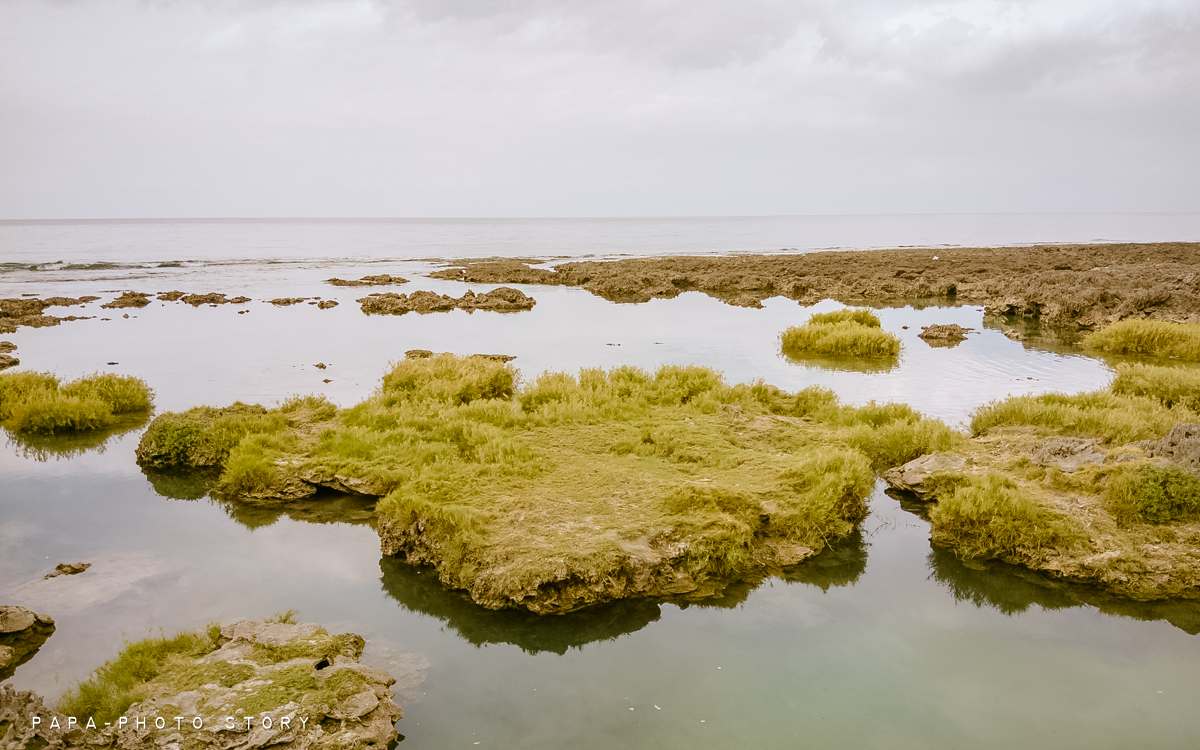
{"x": 1075, "y": 286}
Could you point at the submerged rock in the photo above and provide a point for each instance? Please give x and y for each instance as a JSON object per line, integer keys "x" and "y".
{"x": 914, "y": 475}
{"x": 502, "y": 299}
{"x": 29, "y": 312}
{"x": 212, "y": 298}
{"x": 258, "y": 684}
{"x": 22, "y": 633}
{"x": 67, "y": 569}
{"x": 1181, "y": 445}
{"x": 1069, "y": 454}
{"x": 944, "y": 335}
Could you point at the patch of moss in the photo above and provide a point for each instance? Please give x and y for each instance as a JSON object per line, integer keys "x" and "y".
{"x": 121, "y": 681}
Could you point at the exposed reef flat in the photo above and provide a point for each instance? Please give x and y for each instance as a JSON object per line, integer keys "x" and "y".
{"x": 572, "y": 491}
{"x": 378, "y": 280}
{"x": 285, "y": 685}
{"x": 503, "y": 299}
{"x": 1082, "y": 286}
{"x": 30, "y": 312}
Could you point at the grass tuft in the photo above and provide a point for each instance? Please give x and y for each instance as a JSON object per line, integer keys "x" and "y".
{"x": 1168, "y": 385}
{"x": 38, "y": 403}
{"x": 1155, "y": 494}
{"x": 843, "y": 333}
{"x": 988, "y": 516}
{"x": 1148, "y": 337}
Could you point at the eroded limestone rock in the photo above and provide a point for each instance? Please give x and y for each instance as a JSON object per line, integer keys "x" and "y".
{"x": 22, "y": 633}
{"x": 944, "y": 335}
{"x": 502, "y": 299}
{"x": 913, "y": 476}
{"x": 1069, "y": 454}
{"x": 1181, "y": 445}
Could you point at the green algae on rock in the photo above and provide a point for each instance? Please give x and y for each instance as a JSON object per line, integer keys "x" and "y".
{"x": 247, "y": 684}
{"x": 1097, "y": 487}
{"x": 573, "y": 490}
{"x": 38, "y": 402}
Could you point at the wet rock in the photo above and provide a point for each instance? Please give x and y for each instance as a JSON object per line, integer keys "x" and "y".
{"x": 1181, "y": 445}
{"x": 287, "y": 301}
{"x": 128, "y": 299}
{"x": 379, "y": 280}
{"x": 944, "y": 335}
{"x": 16, "y": 312}
{"x": 22, "y": 633}
{"x": 212, "y": 298}
{"x": 502, "y": 299}
{"x": 320, "y": 365}
{"x": 368, "y": 486}
{"x": 173, "y": 296}
{"x": 912, "y": 476}
{"x": 1069, "y": 454}
{"x": 326, "y": 304}
{"x": 7, "y": 361}
{"x": 68, "y": 569}
{"x": 7, "y": 347}
{"x": 310, "y": 690}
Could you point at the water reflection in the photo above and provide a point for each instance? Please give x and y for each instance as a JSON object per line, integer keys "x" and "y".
{"x": 845, "y": 364}
{"x": 418, "y": 589}
{"x": 324, "y": 507}
{"x": 41, "y": 447}
{"x": 21, "y": 646}
{"x": 1013, "y": 589}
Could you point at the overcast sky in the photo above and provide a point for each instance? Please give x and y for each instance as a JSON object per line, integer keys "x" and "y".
{"x": 142, "y": 108}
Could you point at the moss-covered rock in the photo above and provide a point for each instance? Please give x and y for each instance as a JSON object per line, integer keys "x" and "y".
{"x": 248, "y": 684}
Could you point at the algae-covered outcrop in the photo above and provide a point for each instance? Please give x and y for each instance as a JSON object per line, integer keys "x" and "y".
{"x": 38, "y": 402}
{"x": 247, "y": 684}
{"x": 1096, "y": 487}
{"x": 128, "y": 299}
{"x": 1081, "y": 286}
{"x": 573, "y": 490}
{"x": 30, "y": 311}
{"x": 502, "y": 299}
{"x": 382, "y": 279}
{"x": 842, "y": 335}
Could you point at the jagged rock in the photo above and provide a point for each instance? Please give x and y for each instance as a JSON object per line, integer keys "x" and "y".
{"x": 173, "y": 296}
{"x": 1181, "y": 445}
{"x": 944, "y": 335}
{"x": 911, "y": 477}
{"x": 1069, "y": 454}
{"x": 128, "y": 299}
{"x": 7, "y": 347}
{"x": 371, "y": 487}
{"x": 287, "y": 301}
{"x": 502, "y": 299}
{"x": 68, "y": 569}
{"x": 379, "y": 280}
{"x": 22, "y": 633}
{"x": 212, "y": 298}
{"x": 326, "y": 304}
{"x": 7, "y": 361}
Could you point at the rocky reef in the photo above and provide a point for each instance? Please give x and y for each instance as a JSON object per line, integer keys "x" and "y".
{"x": 377, "y": 280}
{"x": 1076, "y": 286}
{"x": 30, "y": 311}
{"x": 248, "y": 684}
{"x": 502, "y": 299}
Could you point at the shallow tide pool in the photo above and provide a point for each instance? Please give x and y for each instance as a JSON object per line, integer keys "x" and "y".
{"x": 882, "y": 642}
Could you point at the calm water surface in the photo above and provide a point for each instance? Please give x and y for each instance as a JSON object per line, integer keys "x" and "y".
{"x": 883, "y": 642}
